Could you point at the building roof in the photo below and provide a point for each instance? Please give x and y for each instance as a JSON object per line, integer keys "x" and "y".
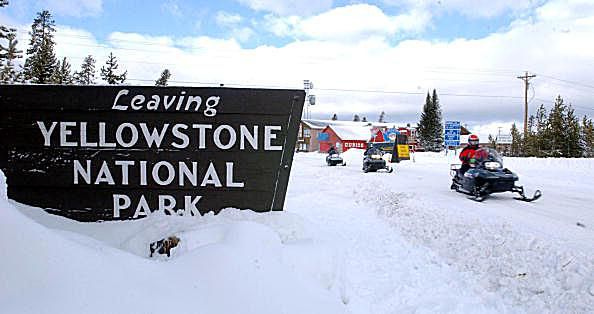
{"x": 324, "y": 123}
{"x": 352, "y": 132}
{"x": 314, "y": 124}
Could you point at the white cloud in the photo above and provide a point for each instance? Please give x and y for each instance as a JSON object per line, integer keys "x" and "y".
{"x": 494, "y": 128}
{"x": 242, "y": 34}
{"x": 227, "y": 19}
{"x": 232, "y": 22}
{"x": 172, "y": 8}
{"x": 288, "y": 7}
{"x": 485, "y": 66}
{"x": 77, "y": 8}
{"x": 469, "y": 8}
{"x": 350, "y": 23}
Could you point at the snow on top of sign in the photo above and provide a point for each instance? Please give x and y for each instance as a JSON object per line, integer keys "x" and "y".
{"x": 355, "y": 133}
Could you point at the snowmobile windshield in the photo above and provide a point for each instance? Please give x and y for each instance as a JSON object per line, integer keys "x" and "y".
{"x": 487, "y": 155}
{"x": 374, "y": 151}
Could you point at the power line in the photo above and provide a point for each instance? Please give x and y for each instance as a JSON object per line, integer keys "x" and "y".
{"x": 567, "y": 81}
{"x": 375, "y": 91}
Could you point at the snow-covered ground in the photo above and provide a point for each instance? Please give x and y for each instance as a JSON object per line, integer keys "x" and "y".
{"x": 348, "y": 242}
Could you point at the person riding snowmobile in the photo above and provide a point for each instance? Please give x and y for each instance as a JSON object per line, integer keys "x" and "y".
{"x": 370, "y": 150}
{"x": 332, "y": 151}
{"x": 467, "y": 154}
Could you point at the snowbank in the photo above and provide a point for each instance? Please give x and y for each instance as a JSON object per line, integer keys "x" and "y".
{"x": 236, "y": 262}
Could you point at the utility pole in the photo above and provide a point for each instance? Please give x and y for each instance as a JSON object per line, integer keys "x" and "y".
{"x": 526, "y": 78}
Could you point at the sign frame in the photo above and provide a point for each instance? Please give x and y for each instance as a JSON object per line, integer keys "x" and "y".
{"x": 55, "y": 141}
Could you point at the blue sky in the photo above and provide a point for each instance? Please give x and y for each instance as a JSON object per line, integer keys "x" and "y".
{"x": 364, "y": 57}
{"x": 181, "y": 18}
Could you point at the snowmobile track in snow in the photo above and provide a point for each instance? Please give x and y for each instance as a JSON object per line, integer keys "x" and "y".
{"x": 535, "y": 274}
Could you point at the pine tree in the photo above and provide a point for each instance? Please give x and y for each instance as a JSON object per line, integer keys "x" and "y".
{"x": 63, "y": 74}
{"x": 529, "y": 145}
{"x": 430, "y": 130}
{"x": 8, "y": 72}
{"x": 4, "y": 32}
{"x": 356, "y": 118}
{"x": 542, "y": 141}
{"x": 572, "y": 134}
{"x": 41, "y": 61}
{"x": 86, "y": 75}
{"x": 516, "y": 146}
{"x": 364, "y": 119}
{"x": 334, "y": 117}
{"x": 382, "y": 117}
{"x": 556, "y": 131}
{"x": 108, "y": 72}
{"x": 438, "y": 136}
{"x": 587, "y": 137}
{"x": 164, "y": 78}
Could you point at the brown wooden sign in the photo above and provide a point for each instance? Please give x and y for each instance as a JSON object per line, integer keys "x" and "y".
{"x": 122, "y": 152}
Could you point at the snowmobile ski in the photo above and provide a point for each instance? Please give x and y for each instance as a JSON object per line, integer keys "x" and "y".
{"x": 523, "y": 197}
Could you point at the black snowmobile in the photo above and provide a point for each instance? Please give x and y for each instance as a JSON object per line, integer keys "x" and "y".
{"x": 334, "y": 159}
{"x": 486, "y": 177}
{"x": 373, "y": 161}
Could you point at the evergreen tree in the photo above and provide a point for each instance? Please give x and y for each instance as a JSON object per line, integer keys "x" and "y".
{"x": 382, "y": 117}
{"x": 516, "y": 146}
{"x": 86, "y": 75}
{"x": 63, "y": 74}
{"x": 529, "y": 144}
{"x": 162, "y": 81}
{"x": 430, "y": 130}
{"x": 41, "y": 61}
{"x": 334, "y": 117}
{"x": 364, "y": 119}
{"x": 556, "y": 130}
{"x": 108, "y": 72}
{"x": 572, "y": 134}
{"x": 4, "y": 32}
{"x": 356, "y": 118}
{"x": 542, "y": 141}
{"x": 587, "y": 137}
{"x": 8, "y": 72}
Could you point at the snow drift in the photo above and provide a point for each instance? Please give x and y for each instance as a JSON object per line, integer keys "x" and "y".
{"x": 237, "y": 262}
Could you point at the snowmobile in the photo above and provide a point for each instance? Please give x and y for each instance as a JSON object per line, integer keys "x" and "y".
{"x": 487, "y": 176}
{"x": 333, "y": 159}
{"x": 373, "y": 161}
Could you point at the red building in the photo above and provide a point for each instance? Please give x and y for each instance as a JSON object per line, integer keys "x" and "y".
{"x": 345, "y": 137}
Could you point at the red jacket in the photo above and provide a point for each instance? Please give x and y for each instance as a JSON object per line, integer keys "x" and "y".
{"x": 467, "y": 154}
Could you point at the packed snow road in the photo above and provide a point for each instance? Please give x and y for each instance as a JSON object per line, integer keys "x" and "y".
{"x": 532, "y": 257}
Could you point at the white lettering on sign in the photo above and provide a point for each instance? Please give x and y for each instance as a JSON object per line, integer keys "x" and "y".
{"x": 354, "y": 145}
{"x": 131, "y": 135}
{"x": 159, "y": 136}
{"x": 162, "y": 173}
{"x": 166, "y": 203}
{"x": 181, "y": 102}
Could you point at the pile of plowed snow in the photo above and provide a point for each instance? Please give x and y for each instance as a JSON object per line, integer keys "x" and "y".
{"x": 236, "y": 262}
